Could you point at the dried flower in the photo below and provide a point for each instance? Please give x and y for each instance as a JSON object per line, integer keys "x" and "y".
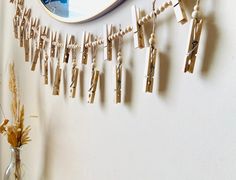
{"x": 17, "y": 134}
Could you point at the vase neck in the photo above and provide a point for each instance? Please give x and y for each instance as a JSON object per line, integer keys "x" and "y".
{"x": 15, "y": 154}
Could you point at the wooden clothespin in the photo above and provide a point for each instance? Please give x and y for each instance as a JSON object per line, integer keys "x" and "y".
{"x": 46, "y": 68}
{"x": 75, "y": 69}
{"x": 179, "y": 11}
{"x": 107, "y": 42}
{"x": 57, "y": 82}
{"x": 57, "y": 79}
{"x": 26, "y": 46}
{"x": 21, "y": 2}
{"x": 151, "y": 58}
{"x": 95, "y": 74}
{"x": 27, "y": 37}
{"x": 93, "y": 86}
{"x": 74, "y": 80}
{"x": 69, "y": 41}
{"x": 118, "y": 71}
{"x": 118, "y": 82}
{"x": 194, "y": 38}
{"x": 24, "y": 25}
{"x": 54, "y": 41}
{"x": 84, "y": 48}
{"x": 24, "y": 32}
{"x": 34, "y": 27}
{"x": 16, "y": 21}
{"x": 137, "y": 28}
{"x": 43, "y": 33}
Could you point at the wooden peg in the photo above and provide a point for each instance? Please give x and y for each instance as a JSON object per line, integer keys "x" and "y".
{"x": 54, "y": 39}
{"x": 193, "y": 41}
{"x": 36, "y": 53}
{"x": 93, "y": 86}
{"x": 84, "y": 48}
{"x": 16, "y": 21}
{"x": 43, "y": 33}
{"x": 107, "y": 42}
{"x": 26, "y": 35}
{"x": 69, "y": 40}
{"x": 95, "y": 73}
{"x": 34, "y": 25}
{"x": 179, "y": 11}
{"x": 24, "y": 25}
{"x": 26, "y": 46}
{"x": 74, "y": 80}
{"x": 151, "y": 57}
{"x": 118, "y": 70}
{"x": 56, "y": 86}
{"x": 43, "y": 37}
{"x": 74, "y": 51}
{"x": 118, "y": 80}
{"x": 21, "y": 2}
{"x": 137, "y": 28}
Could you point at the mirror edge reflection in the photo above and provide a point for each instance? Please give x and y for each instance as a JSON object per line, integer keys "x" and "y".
{"x": 83, "y": 20}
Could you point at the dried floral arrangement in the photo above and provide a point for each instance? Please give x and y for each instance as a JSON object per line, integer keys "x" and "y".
{"x": 17, "y": 134}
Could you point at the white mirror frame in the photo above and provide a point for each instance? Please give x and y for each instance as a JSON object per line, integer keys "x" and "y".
{"x": 95, "y": 15}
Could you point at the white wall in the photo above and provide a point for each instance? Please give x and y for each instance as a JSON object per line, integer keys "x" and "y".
{"x": 184, "y": 130}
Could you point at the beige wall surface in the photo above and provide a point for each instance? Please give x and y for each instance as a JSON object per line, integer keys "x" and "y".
{"x": 184, "y": 130}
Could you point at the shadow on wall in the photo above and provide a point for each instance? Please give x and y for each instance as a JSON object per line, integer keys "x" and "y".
{"x": 46, "y": 163}
{"x": 102, "y": 85}
{"x": 163, "y": 75}
{"x": 212, "y": 37}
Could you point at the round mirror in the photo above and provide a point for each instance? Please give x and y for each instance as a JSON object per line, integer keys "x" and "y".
{"x": 78, "y": 10}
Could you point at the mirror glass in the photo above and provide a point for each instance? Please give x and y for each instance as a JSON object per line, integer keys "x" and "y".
{"x": 78, "y": 10}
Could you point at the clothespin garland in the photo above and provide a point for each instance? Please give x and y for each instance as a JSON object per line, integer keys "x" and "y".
{"x": 194, "y": 38}
{"x": 118, "y": 71}
{"x": 155, "y": 12}
{"x": 151, "y": 58}
{"x": 36, "y": 43}
{"x": 94, "y": 76}
{"x": 107, "y": 42}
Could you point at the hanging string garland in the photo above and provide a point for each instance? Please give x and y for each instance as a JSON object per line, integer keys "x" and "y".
{"x": 37, "y": 40}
